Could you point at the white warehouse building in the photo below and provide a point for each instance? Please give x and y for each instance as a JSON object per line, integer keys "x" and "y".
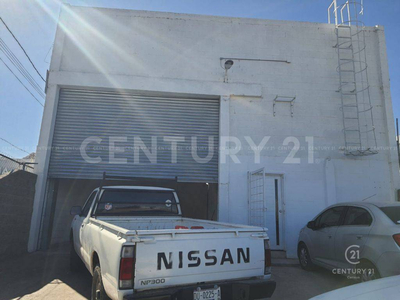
{"x": 251, "y": 120}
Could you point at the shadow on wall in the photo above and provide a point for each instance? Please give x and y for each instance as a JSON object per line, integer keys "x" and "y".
{"x": 17, "y": 191}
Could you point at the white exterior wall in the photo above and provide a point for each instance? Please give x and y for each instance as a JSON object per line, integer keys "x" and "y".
{"x": 166, "y": 52}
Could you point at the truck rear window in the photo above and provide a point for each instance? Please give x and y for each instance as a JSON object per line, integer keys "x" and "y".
{"x": 393, "y": 212}
{"x": 136, "y": 203}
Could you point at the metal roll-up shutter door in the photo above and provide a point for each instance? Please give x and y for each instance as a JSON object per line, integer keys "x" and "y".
{"x": 101, "y": 115}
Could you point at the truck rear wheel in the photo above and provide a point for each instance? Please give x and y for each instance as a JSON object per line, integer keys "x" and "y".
{"x": 98, "y": 292}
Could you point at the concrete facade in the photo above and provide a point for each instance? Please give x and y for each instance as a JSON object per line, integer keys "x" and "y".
{"x": 177, "y": 53}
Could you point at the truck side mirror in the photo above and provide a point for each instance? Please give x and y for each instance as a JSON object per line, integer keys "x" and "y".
{"x": 75, "y": 210}
{"x": 311, "y": 225}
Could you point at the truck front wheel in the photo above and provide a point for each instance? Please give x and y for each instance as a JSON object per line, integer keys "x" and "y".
{"x": 98, "y": 292}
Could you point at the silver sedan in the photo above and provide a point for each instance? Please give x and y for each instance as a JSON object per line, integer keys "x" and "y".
{"x": 359, "y": 240}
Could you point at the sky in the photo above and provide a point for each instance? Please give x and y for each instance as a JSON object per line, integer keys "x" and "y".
{"x": 33, "y": 22}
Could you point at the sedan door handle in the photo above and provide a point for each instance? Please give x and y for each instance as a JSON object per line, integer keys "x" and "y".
{"x": 329, "y": 236}
{"x": 359, "y": 237}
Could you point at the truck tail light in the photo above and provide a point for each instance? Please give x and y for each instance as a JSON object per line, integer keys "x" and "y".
{"x": 181, "y": 227}
{"x": 397, "y": 239}
{"x": 197, "y": 227}
{"x": 127, "y": 267}
{"x": 267, "y": 258}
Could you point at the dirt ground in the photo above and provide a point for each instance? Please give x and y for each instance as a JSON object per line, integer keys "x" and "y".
{"x": 46, "y": 275}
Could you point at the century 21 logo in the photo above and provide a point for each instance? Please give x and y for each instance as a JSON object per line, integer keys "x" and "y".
{"x": 352, "y": 254}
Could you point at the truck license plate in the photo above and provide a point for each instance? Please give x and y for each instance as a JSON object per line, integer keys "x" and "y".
{"x": 208, "y": 294}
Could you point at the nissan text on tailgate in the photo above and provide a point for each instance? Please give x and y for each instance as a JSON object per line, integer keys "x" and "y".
{"x": 136, "y": 244}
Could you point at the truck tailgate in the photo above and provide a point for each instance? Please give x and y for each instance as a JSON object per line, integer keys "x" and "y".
{"x": 193, "y": 258}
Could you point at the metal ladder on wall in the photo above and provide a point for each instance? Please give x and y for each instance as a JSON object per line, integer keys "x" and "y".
{"x": 358, "y": 123}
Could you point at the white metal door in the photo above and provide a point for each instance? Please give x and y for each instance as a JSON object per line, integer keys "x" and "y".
{"x": 266, "y": 207}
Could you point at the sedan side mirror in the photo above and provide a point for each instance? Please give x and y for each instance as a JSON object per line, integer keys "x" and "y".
{"x": 311, "y": 225}
{"x": 75, "y": 210}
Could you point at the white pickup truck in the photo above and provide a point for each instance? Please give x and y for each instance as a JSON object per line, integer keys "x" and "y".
{"x": 136, "y": 244}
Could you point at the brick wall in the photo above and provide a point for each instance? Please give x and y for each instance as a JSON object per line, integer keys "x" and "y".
{"x": 16, "y": 200}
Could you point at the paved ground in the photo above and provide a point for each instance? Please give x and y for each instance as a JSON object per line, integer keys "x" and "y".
{"x": 45, "y": 275}
{"x": 293, "y": 283}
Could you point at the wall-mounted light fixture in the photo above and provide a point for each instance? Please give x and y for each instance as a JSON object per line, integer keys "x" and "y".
{"x": 229, "y": 62}
{"x": 227, "y": 65}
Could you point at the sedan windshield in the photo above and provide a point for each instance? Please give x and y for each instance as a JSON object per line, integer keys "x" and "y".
{"x": 393, "y": 212}
{"x": 120, "y": 202}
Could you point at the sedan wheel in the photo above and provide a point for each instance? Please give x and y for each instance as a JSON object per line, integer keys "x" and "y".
{"x": 304, "y": 258}
{"x": 369, "y": 272}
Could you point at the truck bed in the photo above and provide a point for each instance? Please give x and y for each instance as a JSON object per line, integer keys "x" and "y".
{"x": 162, "y": 225}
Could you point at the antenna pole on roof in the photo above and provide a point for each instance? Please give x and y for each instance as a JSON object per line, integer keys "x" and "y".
{"x": 103, "y": 180}
{"x": 99, "y": 192}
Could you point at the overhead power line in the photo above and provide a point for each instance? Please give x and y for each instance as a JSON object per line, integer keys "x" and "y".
{"x": 21, "y": 83}
{"x": 17, "y": 64}
{"x": 16, "y": 147}
{"x": 26, "y": 54}
{"x": 15, "y": 61}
